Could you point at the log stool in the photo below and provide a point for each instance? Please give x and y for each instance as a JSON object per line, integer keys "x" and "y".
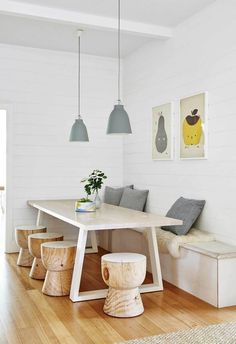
{"x": 58, "y": 258}
{"x": 123, "y": 273}
{"x": 21, "y": 235}
{"x": 38, "y": 271}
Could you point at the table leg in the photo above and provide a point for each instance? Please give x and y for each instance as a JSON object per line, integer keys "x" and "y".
{"x": 93, "y": 238}
{"x": 79, "y": 260}
{"x": 75, "y": 294}
{"x": 39, "y": 217}
{"x": 157, "y": 284}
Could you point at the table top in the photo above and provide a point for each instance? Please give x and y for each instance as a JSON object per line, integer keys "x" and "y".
{"x": 107, "y": 217}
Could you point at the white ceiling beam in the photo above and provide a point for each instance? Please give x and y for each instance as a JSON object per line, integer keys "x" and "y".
{"x": 83, "y": 20}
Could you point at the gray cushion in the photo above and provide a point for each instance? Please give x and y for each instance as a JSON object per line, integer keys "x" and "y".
{"x": 113, "y": 195}
{"x": 187, "y": 210}
{"x": 134, "y": 199}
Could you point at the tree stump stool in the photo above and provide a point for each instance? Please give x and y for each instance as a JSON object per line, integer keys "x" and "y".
{"x": 58, "y": 258}
{"x": 123, "y": 273}
{"x": 21, "y": 235}
{"x": 38, "y": 271}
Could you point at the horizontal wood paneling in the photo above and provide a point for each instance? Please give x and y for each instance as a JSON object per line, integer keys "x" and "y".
{"x": 200, "y": 57}
{"x": 41, "y": 86}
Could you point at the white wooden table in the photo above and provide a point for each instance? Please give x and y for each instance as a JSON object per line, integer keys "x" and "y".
{"x": 108, "y": 217}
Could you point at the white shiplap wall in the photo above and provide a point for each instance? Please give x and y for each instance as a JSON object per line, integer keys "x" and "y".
{"x": 201, "y": 56}
{"x": 39, "y": 88}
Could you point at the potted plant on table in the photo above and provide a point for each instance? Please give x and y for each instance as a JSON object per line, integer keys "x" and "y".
{"x": 92, "y": 184}
{"x": 85, "y": 205}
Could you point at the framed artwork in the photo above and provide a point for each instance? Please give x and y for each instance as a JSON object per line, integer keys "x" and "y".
{"x": 193, "y": 127}
{"x": 162, "y": 140}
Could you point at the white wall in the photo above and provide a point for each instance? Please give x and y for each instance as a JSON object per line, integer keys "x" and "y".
{"x": 201, "y": 56}
{"x": 41, "y": 89}
{"x": 2, "y": 147}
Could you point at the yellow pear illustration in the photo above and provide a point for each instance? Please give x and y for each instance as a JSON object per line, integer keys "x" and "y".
{"x": 192, "y": 129}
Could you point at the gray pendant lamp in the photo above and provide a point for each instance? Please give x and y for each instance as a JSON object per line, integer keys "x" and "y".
{"x": 79, "y": 130}
{"x": 118, "y": 122}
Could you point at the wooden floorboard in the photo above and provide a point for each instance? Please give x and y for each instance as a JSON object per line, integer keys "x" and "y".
{"x": 27, "y": 316}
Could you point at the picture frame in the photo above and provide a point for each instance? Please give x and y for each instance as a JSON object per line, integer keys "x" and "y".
{"x": 162, "y": 132}
{"x": 193, "y": 126}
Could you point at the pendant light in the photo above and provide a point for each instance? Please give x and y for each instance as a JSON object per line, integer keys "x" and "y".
{"x": 118, "y": 122}
{"x": 79, "y": 130}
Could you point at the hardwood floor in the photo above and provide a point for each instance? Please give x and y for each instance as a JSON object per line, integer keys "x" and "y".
{"x": 27, "y": 316}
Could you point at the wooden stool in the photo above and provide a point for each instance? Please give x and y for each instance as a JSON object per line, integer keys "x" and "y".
{"x": 58, "y": 258}
{"x": 21, "y": 235}
{"x": 34, "y": 241}
{"x": 123, "y": 273}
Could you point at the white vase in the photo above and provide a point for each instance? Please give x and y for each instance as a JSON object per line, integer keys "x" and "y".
{"x": 97, "y": 201}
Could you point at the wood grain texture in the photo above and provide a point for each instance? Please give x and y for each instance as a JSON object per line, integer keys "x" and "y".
{"x": 35, "y": 241}
{"x": 123, "y": 273}
{"x": 37, "y": 270}
{"x": 25, "y": 258}
{"x": 28, "y": 316}
{"x": 58, "y": 258}
{"x": 123, "y": 303}
{"x": 21, "y": 235}
{"x": 57, "y": 283}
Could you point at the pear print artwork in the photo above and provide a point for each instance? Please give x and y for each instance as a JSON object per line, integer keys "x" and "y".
{"x": 161, "y": 132}
{"x": 161, "y": 137}
{"x": 193, "y": 127}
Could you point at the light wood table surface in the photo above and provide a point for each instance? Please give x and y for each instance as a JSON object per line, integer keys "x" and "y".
{"x": 108, "y": 217}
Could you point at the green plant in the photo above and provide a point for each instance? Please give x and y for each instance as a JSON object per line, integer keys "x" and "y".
{"x": 84, "y": 200}
{"x": 94, "y": 182}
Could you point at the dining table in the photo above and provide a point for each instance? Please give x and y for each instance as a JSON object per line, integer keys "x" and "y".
{"x": 107, "y": 217}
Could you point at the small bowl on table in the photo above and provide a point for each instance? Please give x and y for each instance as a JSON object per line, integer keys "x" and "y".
{"x": 85, "y": 206}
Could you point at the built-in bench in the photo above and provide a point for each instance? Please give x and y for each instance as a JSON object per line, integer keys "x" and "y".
{"x": 205, "y": 270}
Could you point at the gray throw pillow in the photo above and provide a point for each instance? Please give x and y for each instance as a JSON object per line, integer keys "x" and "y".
{"x": 113, "y": 195}
{"x": 134, "y": 199}
{"x": 187, "y": 210}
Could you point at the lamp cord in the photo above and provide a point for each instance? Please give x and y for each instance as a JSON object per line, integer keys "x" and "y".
{"x": 79, "y": 76}
{"x": 119, "y": 51}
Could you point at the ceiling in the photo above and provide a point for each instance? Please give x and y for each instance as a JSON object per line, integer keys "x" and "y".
{"x": 50, "y": 24}
{"x": 56, "y": 36}
{"x": 161, "y": 12}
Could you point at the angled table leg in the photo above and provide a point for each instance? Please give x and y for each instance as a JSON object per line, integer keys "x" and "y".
{"x": 39, "y": 217}
{"x": 94, "y": 248}
{"x": 157, "y": 284}
{"x": 79, "y": 260}
{"x": 76, "y": 295}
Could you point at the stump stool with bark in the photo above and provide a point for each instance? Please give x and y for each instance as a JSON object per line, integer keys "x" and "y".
{"x": 58, "y": 259}
{"x": 38, "y": 271}
{"x": 123, "y": 273}
{"x": 21, "y": 235}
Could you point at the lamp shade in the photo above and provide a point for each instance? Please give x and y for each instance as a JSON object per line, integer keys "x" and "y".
{"x": 118, "y": 122}
{"x": 79, "y": 131}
